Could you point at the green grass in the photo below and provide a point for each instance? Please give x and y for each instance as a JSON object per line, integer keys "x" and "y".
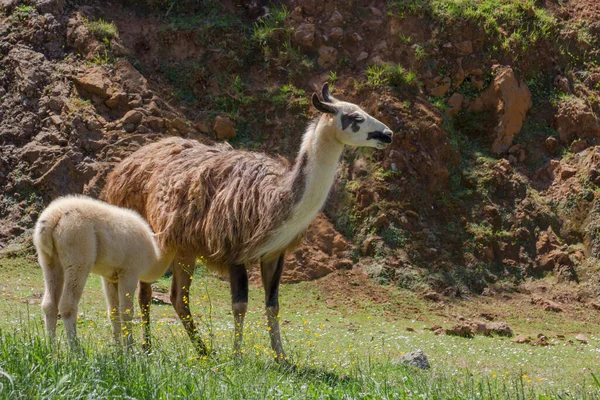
{"x": 342, "y": 347}
{"x": 517, "y": 24}
{"x": 102, "y": 29}
{"x": 394, "y": 76}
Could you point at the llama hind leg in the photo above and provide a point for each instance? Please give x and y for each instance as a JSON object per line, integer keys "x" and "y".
{"x": 144, "y": 300}
{"x": 53, "y": 283}
{"x": 271, "y": 275}
{"x": 183, "y": 268}
{"x": 238, "y": 280}
{"x": 111, "y": 292}
{"x": 74, "y": 282}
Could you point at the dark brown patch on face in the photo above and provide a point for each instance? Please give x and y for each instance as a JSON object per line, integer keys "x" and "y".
{"x": 350, "y": 119}
{"x": 299, "y": 177}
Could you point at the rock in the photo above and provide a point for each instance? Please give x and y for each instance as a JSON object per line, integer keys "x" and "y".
{"x": 454, "y": 104}
{"x": 551, "y": 144}
{"x": 56, "y": 120}
{"x": 336, "y": 33}
{"x": 130, "y": 78}
{"x": 355, "y": 37}
{"x": 132, "y": 117}
{"x": 416, "y": 359}
{"x": 336, "y": 19}
{"x": 95, "y": 81}
{"x": 432, "y": 296}
{"x": 305, "y": 35}
{"x": 440, "y": 90}
{"x": 566, "y": 172}
{"x": 562, "y": 83}
{"x": 362, "y": 56}
{"x": 511, "y": 100}
{"x": 31, "y": 70}
{"x": 578, "y": 146}
{"x": 541, "y": 340}
{"x": 465, "y": 47}
{"x": 499, "y": 328}
{"x": 463, "y": 330}
{"x": 521, "y": 339}
{"x": 376, "y": 12}
{"x": 8, "y": 5}
{"x": 50, "y": 6}
{"x": 582, "y": 338}
{"x": 116, "y": 100}
{"x": 224, "y": 128}
{"x": 575, "y": 119}
{"x": 327, "y": 56}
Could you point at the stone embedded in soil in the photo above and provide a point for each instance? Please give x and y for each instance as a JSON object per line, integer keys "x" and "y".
{"x": 551, "y": 144}
{"x": 336, "y": 33}
{"x": 567, "y": 172}
{"x": 441, "y": 89}
{"x": 511, "y": 100}
{"x": 578, "y": 146}
{"x": 575, "y": 119}
{"x": 463, "y": 330}
{"x": 582, "y": 338}
{"x": 416, "y": 359}
{"x": 499, "y": 328}
{"x": 305, "y": 35}
{"x": 95, "y": 81}
{"x": 521, "y": 339}
{"x": 327, "y": 56}
{"x": 454, "y": 104}
{"x": 224, "y": 128}
{"x": 132, "y": 117}
{"x": 465, "y": 47}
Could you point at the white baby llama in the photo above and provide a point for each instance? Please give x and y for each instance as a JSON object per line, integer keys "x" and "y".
{"x": 76, "y": 235}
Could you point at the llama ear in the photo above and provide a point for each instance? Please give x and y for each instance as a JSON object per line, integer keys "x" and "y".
{"x": 323, "y": 107}
{"x": 325, "y": 93}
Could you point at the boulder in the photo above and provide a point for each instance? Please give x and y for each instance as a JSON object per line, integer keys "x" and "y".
{"x": 416, "y": 359}
{"x": 224, "y": 128}
{"x": 454, "y": 104}
{"x": 575, "y": 119}
{"x": 305, "y": 35}
{"x": 96, "y": 81}
{"x": 327, "y": 56}
{"x": 130, "y": 78}
{"x": 511, "y": 100}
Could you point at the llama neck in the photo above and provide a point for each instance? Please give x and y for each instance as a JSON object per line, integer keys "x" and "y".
{"x": 319, "y": 156}
{"x": 311, "y": 180}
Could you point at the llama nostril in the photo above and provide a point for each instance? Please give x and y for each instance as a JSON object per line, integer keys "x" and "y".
{"x": 388, "y": 132}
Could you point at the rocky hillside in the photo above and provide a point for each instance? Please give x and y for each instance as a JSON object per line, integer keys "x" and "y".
{"x": 493, "y": 174}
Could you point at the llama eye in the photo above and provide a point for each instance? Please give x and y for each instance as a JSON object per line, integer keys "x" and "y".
{"x": 358, "y": 118}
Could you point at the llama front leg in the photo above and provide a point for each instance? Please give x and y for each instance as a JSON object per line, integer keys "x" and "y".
{"x": 271, "y": 275}
{"x": 111, "y": 292}
{"x": 183, "y": 268}
{"x": 53, "y": 283}
{"x": 238, "y": 281}
{"x": 144, "y": 300}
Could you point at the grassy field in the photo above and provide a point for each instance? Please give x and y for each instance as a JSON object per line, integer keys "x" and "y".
{"x": 343, "y": 346}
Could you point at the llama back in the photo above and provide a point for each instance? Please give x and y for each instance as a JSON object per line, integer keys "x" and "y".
{"x": 127, "y": 184}
{"x": 218, "y": 204}
{"x": 121, "y": 229}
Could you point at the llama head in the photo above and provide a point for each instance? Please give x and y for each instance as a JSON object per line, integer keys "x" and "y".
{"x": 355, "y": 127}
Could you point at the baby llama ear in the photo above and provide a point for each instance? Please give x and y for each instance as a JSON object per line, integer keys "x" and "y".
{"x": 325, "y": 93}
{"x": 323, "y": 107}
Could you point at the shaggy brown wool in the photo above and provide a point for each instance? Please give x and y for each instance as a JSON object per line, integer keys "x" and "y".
{"x": 210, "y": 201}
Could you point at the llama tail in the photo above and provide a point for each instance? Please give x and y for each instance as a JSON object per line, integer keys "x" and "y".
{"x": 44, "y": 230}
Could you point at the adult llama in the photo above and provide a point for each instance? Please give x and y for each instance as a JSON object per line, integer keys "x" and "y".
{"x": 235, "y": 207}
